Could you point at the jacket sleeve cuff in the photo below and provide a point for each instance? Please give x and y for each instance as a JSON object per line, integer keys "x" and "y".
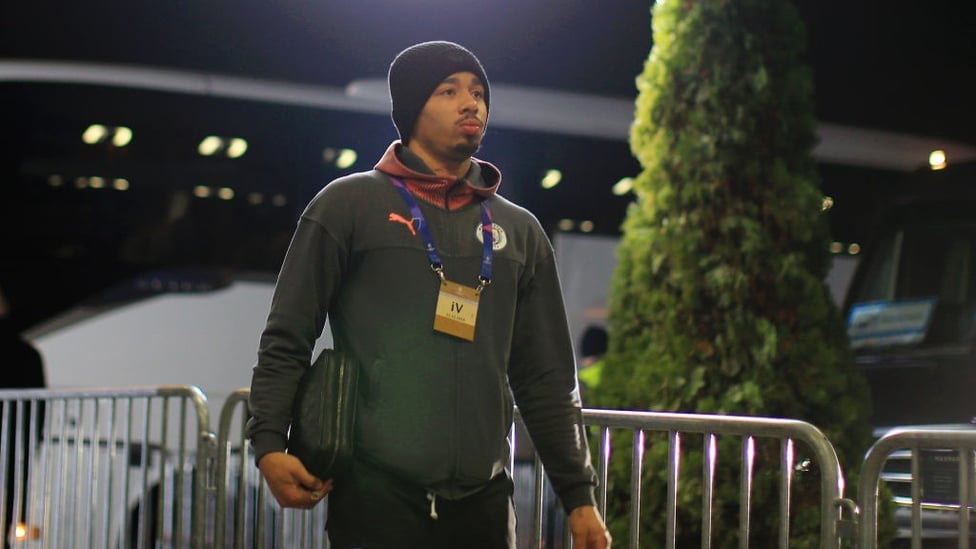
{"x": 266, "y": 442}
{"x": 578, "y": 496}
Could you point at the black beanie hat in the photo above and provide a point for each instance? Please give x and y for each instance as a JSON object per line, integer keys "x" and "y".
{"x": 418, "y": 70}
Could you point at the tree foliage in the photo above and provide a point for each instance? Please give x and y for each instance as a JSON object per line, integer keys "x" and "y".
{"x": 718, "y": 303}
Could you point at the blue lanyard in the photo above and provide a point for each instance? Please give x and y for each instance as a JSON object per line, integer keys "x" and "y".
{"x": 487, "y": 251}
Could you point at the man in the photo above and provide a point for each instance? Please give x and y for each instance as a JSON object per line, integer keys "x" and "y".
{"x": 448, "y": 297}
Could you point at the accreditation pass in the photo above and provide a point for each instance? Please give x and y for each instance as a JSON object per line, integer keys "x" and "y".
{"x": 457, "y": 310}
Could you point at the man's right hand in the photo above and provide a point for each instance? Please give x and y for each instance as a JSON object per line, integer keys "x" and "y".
{"x": 290, "y": 482}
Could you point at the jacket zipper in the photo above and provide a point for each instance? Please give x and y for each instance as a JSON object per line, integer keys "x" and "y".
{"x": 432, "y": 498}
{"x": 447, "y": 194}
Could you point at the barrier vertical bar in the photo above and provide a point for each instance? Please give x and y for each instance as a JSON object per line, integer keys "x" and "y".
{"x": 965, "y": 470}
{"x": 203, "y": 491}
{"x": 18, "y": 462}
{"x": 604, "y": 470}
{"x": 36, "y": 430}
{"x": 4, "y": 462}
{"x": 708, "y": 473}
{"x": 745, "y": 489}
{"x": 178, "y": 489}
{"x": 79, "y": 441}
{"x": 63, "y": 482}
{"x": 113, "y": 460}
{"x": 223, "y": 456}
{"x": 674, "y": 469}
{"x": 785, "y": 493}
{"x": 143, "y": 526}
{"x": 91, "y": 489}
{"x": 916, "y": 499}
{"x": 129, "y": 420}
{"x": 39, "y": 476}
{"x": 636, "y": 468}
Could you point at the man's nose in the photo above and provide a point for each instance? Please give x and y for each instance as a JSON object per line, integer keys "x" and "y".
{"x": 470, "y": 103}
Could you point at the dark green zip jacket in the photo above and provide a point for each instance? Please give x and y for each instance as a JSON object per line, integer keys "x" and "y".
{"x": 433, "y": 409}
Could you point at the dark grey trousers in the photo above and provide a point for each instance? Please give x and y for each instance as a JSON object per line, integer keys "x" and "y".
{"x": 370, "y": 509}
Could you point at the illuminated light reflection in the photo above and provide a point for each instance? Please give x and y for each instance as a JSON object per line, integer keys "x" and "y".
{"x": 748, "y": 465}
{"x": 712, "y": 454}
{"x": 22, "y": 532}
{"x": 340, "y": 158}
{"x": 828, "y": 203}
{"x": 346, "y": 158}
{"x": 202, "y": 191}
{"x": 94, "y": 134}
{"x": 854, "y": 249}
{"x": 225, "y": 193}
{"x": 788, "y": 457}
{"x": 674, "y": 459}
{"x": 937, "y": 160}
{"x": 237, "y": 147}
{"x": 210, "y": 145}
{"x": 55, "y": 180}
{"x": 586, "y": 226}
{"x": 836, "y": 247}
{"x": 566, "y": 224}
{"x": 551, "y": 179}
{"x": 96, "y": 182}
{"x": 81, "y": 182}
{"x": 120, "y": 184}
{"x": 255, "y": 198}
{"x": 122, "y": 136}
{"x": 279, "y": 200}
{"x": 623, "y": 186}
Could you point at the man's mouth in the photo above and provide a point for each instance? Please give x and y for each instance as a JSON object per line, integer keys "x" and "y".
{"x": 471, "y": 127}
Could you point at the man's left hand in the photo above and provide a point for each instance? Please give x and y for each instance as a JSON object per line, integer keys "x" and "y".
{"x": 588, "y": 529}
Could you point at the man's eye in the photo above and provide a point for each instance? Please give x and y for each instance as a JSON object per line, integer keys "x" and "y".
{"x": 447, "y": 91}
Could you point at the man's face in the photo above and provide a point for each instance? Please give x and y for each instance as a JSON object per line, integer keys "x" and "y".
{"x": 453, "y": 120}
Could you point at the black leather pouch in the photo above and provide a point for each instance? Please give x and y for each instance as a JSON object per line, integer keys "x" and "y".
{"x": 324, "y": 415}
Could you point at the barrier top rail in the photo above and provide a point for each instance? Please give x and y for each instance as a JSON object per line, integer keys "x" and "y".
{"x": 191, "y": 391}
{"x": 710, "y": 424}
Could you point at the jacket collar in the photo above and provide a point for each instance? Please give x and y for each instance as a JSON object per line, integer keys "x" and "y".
{"x": 482, "y": 180}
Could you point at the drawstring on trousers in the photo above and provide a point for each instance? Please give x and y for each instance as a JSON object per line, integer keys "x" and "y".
{"x": 432, "y": 498}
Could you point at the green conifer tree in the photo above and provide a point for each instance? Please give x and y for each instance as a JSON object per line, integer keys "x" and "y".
{"x": 718, "y": 303}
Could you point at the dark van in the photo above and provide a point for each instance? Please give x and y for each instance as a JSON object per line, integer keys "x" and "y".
{"x": 911, "y": 312}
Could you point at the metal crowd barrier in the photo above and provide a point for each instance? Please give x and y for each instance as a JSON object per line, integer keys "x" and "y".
{"x": 247, "y": 516}
{"x": 140, "y": 467}
{"x": 104, "y": 467}
{"x": 710, "y": 426}
{"x": 957, "y": 445}
{"x": 256, "y": 521}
